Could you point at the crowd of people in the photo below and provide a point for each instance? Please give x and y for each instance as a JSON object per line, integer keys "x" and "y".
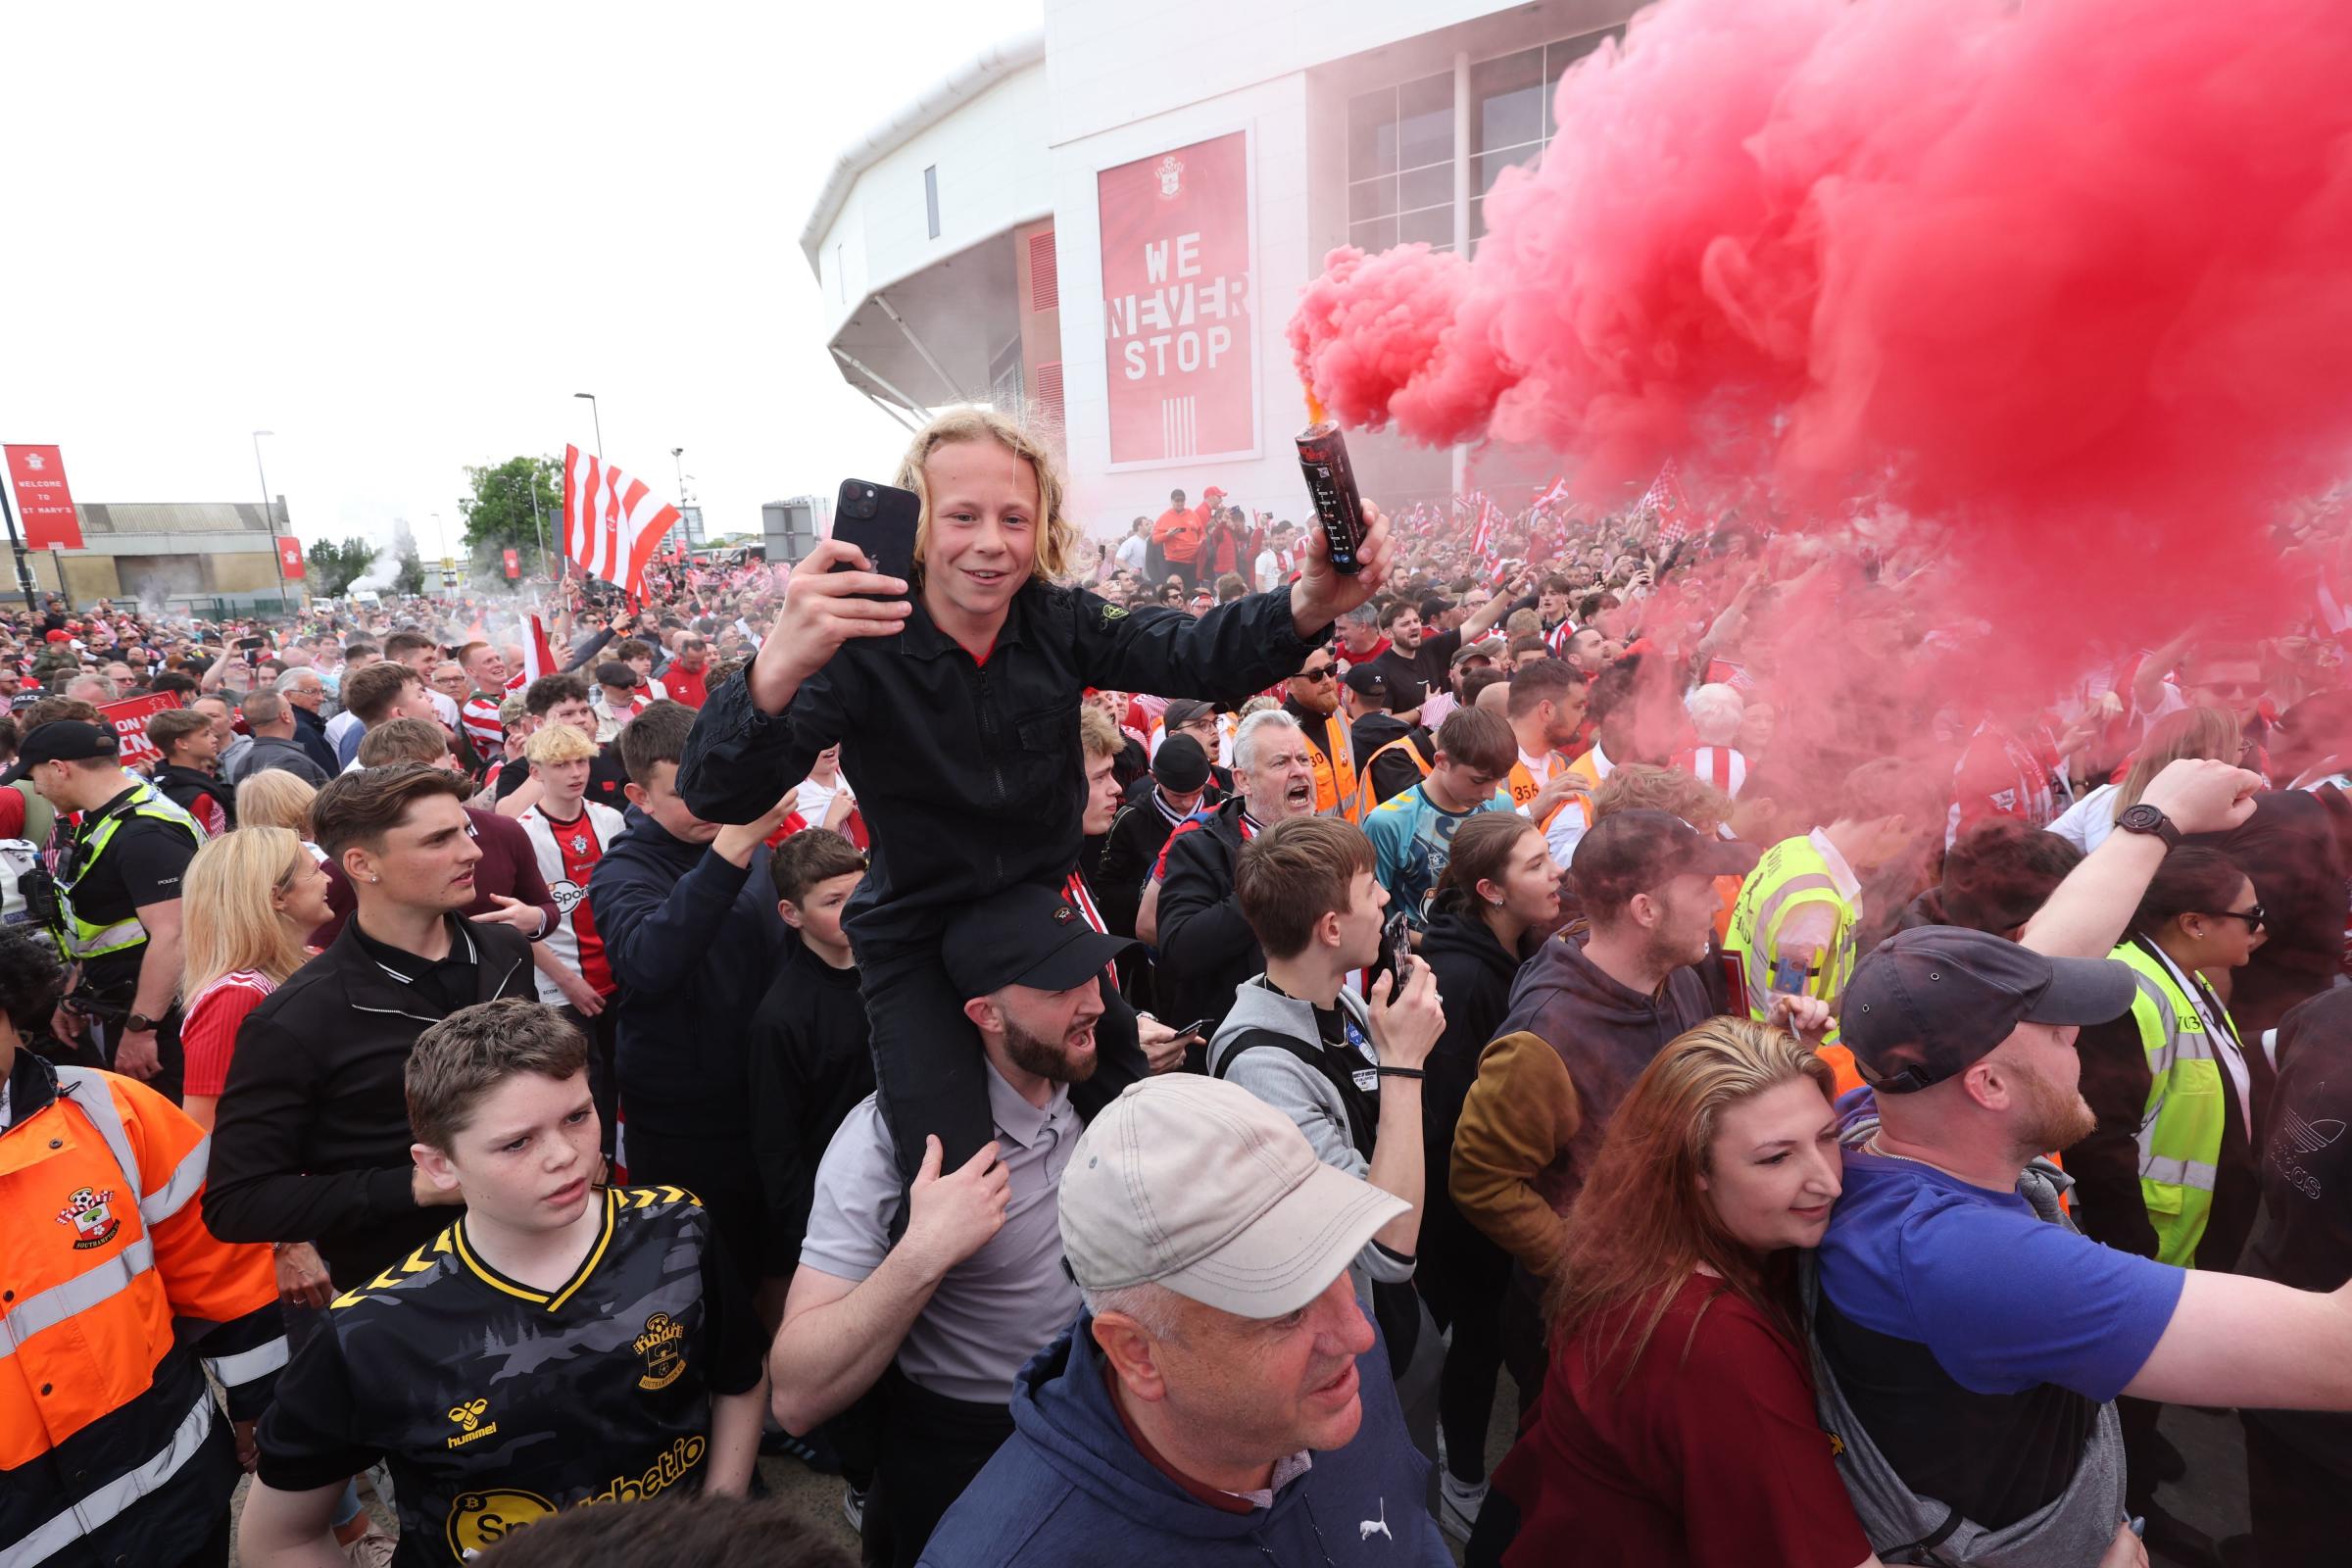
{"x": 1114, "y": 1048}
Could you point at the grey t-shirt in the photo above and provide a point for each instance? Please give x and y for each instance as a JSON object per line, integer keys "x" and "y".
{"x": 998, "y": 1307}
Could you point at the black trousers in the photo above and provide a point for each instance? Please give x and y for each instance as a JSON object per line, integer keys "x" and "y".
{"x": 2301, "y": 1508}
{"x": 720, "y": 1172}
{"x": 931, "y": 1448}
{"x": 1480, "y": 1279}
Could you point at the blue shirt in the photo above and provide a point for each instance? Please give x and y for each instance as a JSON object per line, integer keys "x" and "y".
{"x": 2003, "y": 1299}
{"x": 1413, "y": 843}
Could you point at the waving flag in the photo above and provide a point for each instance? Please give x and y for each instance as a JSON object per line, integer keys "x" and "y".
{"x": 1665, "y": 498}
{"x": 1553, "y": 493}
{"x": 537, "y": 658}
{"x": 612, "y": 524}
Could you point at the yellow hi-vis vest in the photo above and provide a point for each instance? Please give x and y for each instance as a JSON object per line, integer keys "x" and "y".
{"x": 1790, "y": 875}
{"x": 81, "y": 938}
{"x": 1335, "y": 772}
{"x": 2189, "y": 1103}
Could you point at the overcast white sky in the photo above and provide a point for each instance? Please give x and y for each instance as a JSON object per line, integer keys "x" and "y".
{"x": 401, "y": 237}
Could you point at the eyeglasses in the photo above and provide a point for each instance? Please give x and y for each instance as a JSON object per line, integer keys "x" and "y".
{"x": 2235, "y": 689}
{"x": 1319, "y": 672}
{"x": 2253, "y": 917}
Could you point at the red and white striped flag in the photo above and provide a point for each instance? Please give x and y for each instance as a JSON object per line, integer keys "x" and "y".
{"x": 537, "y": 658}
{"x": 613, "y": 525}
{"x": 1553, "y": 493}
{"x": 1665, "y": 498}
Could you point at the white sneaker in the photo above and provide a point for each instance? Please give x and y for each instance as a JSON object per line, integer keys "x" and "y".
{"x": 1459, "y": 1503}
{"x": 853, "y": 1503}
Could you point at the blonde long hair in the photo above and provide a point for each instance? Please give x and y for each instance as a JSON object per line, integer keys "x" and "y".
{"x": 275, "y": 798}
{"x": 1056, "y": 535}
{"x": 233, "y": 880}
{"x": 1641, "y": 1225}
{"x": 2194, "y": 732}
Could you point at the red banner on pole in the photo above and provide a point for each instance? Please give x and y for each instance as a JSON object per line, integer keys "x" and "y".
{"x": 514, "y": 563}
{"x": 1180, "y": 351}
{"x": 37, "y": 474}
{"x": 289, "y": 557}
{"x": 132, "y": 748}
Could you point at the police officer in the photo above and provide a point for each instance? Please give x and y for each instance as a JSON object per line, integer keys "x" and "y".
{"x": 118, "y": 915}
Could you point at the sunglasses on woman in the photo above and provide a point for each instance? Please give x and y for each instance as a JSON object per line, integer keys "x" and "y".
{"x": 2253, "y": 917}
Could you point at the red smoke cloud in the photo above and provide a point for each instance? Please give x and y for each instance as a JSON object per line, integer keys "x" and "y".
{"x": 2073, "y": 279}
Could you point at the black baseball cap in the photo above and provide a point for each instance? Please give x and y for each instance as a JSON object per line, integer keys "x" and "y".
{"x": 1927, "y": 1003}
{"x": 67, "y": 740}
{"x": 1367, "y": 681}
{"x": 1024, "y": 935}
{"x": 1183, "y": 711}
{"x": 1182, "y": 765}
{"x": 1640, "y": 850}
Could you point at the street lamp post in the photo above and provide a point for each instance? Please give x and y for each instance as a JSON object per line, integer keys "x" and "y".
{"x": 599, "y": 418}
{"x": 678, "y": 454}
{"x": 278, "y": 556}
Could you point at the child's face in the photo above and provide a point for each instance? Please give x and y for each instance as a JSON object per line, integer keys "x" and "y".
{"x": 528, "y": 1159}
{"x": 818, "y": 914}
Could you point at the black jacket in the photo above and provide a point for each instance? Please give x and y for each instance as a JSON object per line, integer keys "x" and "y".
{"x": 1130, "y": 850}
{"x": 1474, "y": 973}
{"x": 1205, "y": 947}
{"x": 271, "y": 751}
{"x": 184, "y": 786}
{"x": 693, "y": 942}
{"x": 312, "y": 1142}
{"x": 971, "y": 777}
{"x": 310, "y": 733}
{"x": 1394, "y": 773}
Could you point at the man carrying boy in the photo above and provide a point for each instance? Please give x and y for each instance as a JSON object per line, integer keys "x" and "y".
{"x": 560, "y": 1344}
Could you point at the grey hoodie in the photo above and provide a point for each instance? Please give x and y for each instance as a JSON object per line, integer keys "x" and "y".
{"x": 1306, "y": 1095}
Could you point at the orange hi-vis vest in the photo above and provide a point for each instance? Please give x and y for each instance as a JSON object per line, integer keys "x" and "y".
{"x": 1525, "y": 787}
{"x": 1335, "y": 772}
{"x": 1365, "y": 798}
{"x": 111, "y": 1441}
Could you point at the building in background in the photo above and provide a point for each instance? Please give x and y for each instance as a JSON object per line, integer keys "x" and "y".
{"x": 175, "y": 554}
{"x": 1110, "y": 219}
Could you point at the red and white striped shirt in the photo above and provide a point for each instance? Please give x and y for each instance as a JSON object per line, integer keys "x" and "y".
{"x": 479, "y": 716}
{"x": 1718, "y": 766}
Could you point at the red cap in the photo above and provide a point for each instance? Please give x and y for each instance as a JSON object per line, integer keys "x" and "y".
{"x": 59, "y": 637}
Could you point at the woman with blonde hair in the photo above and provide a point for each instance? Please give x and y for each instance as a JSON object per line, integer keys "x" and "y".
{"x": 1677, "y": 1424}
{"x": 262, "y": 891}
{"x": 2193, "y": 732}
{"x": 275, "y": 798}
{"x": 954, "y": 696}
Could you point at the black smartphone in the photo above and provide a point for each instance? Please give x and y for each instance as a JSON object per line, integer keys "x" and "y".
{"x": 1197, "y": 1030}
{"x": 879, "y": 520}
{"x": 1396, "y": 951}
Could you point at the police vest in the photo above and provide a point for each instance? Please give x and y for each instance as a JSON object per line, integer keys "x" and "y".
{"x": 81, "y": 938}
{"x": 2189, "y": 1103}
{"x": 1792, "y": 874}
{"x": 1335, "y": 772}
{"x": 1366, "y": 800}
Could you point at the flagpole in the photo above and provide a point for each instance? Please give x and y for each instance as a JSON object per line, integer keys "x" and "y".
{"x": 24, "y": 571}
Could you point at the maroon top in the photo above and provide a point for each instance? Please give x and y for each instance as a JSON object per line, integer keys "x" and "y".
{"x": 1709, "y": 1456}
{"x": 508, "y": 867}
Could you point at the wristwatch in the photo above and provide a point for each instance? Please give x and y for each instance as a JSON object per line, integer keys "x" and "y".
{"x": 2146, "y": 818}
{"x": 138, "y": 1023}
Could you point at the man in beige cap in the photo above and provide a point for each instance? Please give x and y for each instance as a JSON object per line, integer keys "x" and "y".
{"x": 1223, "y": 1399}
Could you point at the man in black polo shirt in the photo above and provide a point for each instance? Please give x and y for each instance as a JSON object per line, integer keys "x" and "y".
{"x": 311, "y": 1143}
{"x": 119, "y": 897}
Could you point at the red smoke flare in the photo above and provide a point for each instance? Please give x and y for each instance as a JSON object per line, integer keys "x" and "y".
{"x": 2070, "y": 277}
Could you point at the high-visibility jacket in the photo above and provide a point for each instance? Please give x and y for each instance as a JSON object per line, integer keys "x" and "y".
{"x": 82, "y": 938}
{"x": 2189, "y": 1103}
{"x": 112, "y": 1448}
{"x": 1365, "y": 797}
{"x": 1791, "y": 876}
{"x": 1335, "y": 772}
{"x": 1525, "y": 787}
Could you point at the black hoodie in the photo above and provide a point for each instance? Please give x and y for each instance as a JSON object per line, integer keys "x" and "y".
{"x": 1474, "y": 973}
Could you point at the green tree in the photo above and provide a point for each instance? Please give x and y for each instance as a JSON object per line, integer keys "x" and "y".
{"x": 499, "y": 514}
{"x": 331, "y": 567}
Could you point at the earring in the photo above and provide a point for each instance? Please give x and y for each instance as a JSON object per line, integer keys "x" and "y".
{"x": 1498, "y": 903}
